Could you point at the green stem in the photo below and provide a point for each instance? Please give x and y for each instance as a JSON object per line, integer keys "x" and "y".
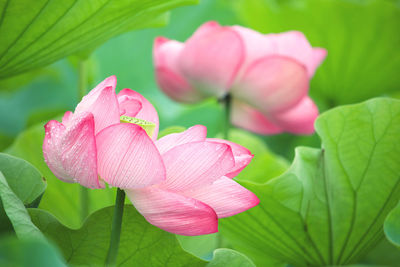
{"x": 227, "y": 102}
{"x": 116, "y": 228}
{"x": 82, "y": 85}
{"x": 84, "y": 196}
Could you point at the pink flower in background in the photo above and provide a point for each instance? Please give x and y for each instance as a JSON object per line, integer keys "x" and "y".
{"x": 198, "y": 188}
{"x": 92, "y": 143}
{"x": 267, "y": 75}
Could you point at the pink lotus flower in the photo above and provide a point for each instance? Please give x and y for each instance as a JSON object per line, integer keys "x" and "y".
{"x": 92, "y": 143}
{"x": 267, "y": 75}
{"x": 181, "y": 183}
{"x": 198, "y": 188}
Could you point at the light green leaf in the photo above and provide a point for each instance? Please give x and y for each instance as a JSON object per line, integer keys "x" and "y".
{"x": 265, "y": 165}
{"x": 392, "y": 226}
{"x": 360, "y": 36}
{"x": 171, "y": 130}
{"x": 28, "y": 146}
{"x": 141, "y": 243}
{"x": 228, "y": 257}
{"x": 37, "y": 33}
{"x": 201, "y": 246}
{"x": 329, "y": 207}
{"x": 33, "y": 253}
{"x": 17, "y": 213}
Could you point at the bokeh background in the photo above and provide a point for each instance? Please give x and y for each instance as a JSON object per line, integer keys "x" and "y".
{"x": 362, "y": 39}
{"x": 361, "y": 36}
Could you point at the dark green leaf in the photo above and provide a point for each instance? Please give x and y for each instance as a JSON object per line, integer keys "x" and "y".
{"x": 329, "y": 207}
{"x": 24, "y": 179}
{"x": 385, "y": 254}
{"x": 17, "y": 213}
{"x": 37, "y": 33}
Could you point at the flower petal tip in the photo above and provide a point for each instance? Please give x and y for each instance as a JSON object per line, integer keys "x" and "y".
{"x": 159, "y": 41}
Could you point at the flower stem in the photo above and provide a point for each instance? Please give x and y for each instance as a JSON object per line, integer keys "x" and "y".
{"x": 116, "y": 228}
{"x": 84, "y": 197}
{"x": 82, "y": 85}
{"x": 227, "y": 102}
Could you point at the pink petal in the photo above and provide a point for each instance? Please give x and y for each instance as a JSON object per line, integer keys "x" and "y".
{"x": 67, "y": 118}
{"x": 147, "y": 112}
{"x": 128, "y": 106}
{"x": 318, "y": 55}
{"x": 195, "y": 164}
{"x": 241, "y": 155}
{"x": 225, "y": 196}
{"x": 206, "y": 28}
{"x": 257, "y": 46}
{"x": 193, "y": 134}
{"x": 250, "y": 119}
{"x": 272, "y": 84}
{"x": 294, "y": 44}
{"x": 299, "y": 119}
{"x": 211, "y": 59}
{"x": 173, "y": 212}
{"x": 70, "y": 152}
{"x": 102, "y": 103}
{"x": 168, "y": 75}
{"x": 128, "y": 158}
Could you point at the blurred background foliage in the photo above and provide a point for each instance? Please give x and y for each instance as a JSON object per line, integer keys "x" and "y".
{"x": 361, "y": 36}
{"x": 363, "y": 62}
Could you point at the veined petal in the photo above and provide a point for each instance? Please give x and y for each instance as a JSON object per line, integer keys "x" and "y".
{"x": 147, "y": 112}
{"x": 195, "y": 164}
{"x": 102, "y": 103}
{"x": 272, "y": 84}
{"x": 299, "y": 119}
{"x": 168, "y": 75}
{"x": 193, "y": 134}
{"x": 225, "y": 196}
{"x": 241, "y": 155}
{"x": 128, "y": 158}
{"x": 248, "y": 118}
{"x": 70, "y": 152}
{"x": 173, "y": 212}
{"x": 107, "y": 82}
{"x": 211, "y": 59}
